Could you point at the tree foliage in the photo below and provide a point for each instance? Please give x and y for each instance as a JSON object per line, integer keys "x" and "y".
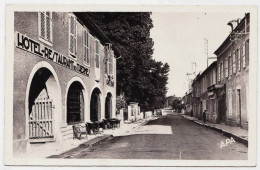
{"x": 177, "y": 104}
{"x": 139, "y": 76}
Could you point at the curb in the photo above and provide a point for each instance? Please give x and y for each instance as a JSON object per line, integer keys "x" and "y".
{"x": 146, "y": 121}
{"x": 95, "y": 141}
{"x": 225, "y": 133}
{"x": 88, "y": 144}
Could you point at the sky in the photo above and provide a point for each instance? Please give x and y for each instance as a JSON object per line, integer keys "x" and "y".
{"x": 179, "y": 41}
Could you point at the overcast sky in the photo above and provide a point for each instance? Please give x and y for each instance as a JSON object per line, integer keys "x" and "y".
{"x": 179, "y": 40}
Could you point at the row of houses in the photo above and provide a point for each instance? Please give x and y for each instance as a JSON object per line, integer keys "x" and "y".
{"x": 64, "y": 74}
{"x": 222, "y": 88}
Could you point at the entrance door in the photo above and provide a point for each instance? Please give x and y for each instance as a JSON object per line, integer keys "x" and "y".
{"x": 239, "y": 106}
{"x": 75, "y": 103}
{"x": 108, "y": 107}
{"x": 222, "y": 108}
{"x": 95, "y": 106}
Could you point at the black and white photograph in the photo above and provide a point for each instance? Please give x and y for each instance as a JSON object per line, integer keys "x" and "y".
{"x": 130, "y": 85}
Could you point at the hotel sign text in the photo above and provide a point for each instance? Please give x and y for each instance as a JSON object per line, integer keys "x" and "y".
{"x": 32, "y": 46}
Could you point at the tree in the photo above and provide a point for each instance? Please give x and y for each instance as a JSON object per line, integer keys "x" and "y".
{"x": 141, "y": 78}
{"x": 177, "y": 104}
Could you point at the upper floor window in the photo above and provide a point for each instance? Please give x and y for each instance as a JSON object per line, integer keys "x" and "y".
{"x": 72, "y": 36}
{"x": 45, "y": 27}
{"x": 234, "y": 61}
{"x": 86, "y": 47}
{"x": 238, "y": 60}
{"x": 97, "y": 53}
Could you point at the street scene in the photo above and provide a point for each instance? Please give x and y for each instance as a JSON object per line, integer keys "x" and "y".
{"x": 132, "y": 85}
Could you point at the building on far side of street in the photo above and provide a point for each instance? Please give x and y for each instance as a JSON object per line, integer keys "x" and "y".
{"x": 233, "y": 73}
{"x": 187, "y": 99}
{"x": 206, "y": 79}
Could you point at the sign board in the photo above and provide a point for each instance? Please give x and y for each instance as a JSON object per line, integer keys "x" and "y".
{"x": 27, "y": 44}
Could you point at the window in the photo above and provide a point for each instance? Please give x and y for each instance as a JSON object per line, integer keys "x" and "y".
{"x": 222, "y": 71}
{"x": 86, "y": 47}
{"x": 72, "y": 36}
{"x": 226, "y": 67}
{"x": 218, "y": 72}
{"x": 97, "y": 53}
{"x": 238, "y": 60}
{"x": 234, "y": 61}
{"x": 45, "y": 26}
{"x": 244, "y": 55}
{"x": 230, "y": 65}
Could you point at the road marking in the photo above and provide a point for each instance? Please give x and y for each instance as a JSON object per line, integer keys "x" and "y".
{"x": 180, "y": 155}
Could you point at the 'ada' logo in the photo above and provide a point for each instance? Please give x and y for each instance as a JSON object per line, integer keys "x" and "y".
{"x": 228, "y": 141}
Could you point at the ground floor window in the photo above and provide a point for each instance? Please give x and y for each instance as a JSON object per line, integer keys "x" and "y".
{"x": 75, "y": 103}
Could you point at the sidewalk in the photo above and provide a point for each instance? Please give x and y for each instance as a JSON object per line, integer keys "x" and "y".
{"x": 239, "y": 135}
{"x": 55, "y": 148}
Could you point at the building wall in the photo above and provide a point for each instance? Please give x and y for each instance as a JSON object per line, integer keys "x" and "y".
{"x": 25, "y": 62}
{"x": 238, "y": 80}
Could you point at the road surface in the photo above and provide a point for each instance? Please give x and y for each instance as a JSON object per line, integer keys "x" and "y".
{"x": 168, "y": 137}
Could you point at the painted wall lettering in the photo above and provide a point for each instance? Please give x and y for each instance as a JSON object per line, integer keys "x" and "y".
{"x": 32, "y": 46}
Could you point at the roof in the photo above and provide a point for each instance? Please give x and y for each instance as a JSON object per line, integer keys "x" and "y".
{"x": 199, "y": 76}
{"x": 227, "y": 40}
{"x": 96, "y": 30}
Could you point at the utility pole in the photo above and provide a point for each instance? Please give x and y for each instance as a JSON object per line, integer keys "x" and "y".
{"x": 206, "y": 50}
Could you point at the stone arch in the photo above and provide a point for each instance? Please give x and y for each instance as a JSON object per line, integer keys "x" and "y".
{"x": 42, "y": 101}
{"x": 96, "y": 101}
{"x": 77, "y": 79}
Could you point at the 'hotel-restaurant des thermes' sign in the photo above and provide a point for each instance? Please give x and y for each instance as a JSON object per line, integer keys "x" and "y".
{"x": 32, "y": 46}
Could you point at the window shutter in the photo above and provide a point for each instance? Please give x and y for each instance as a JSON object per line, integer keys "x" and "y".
{"x": 73, "y": 36}
{"x": 234, "y": 62}
{"x": 244, "y": 55}
{"x": 238, "y": 59}
{"x": 42, "y": 23}
{"x": 226, "y": 68}
{"x": 87, "y": 42}
{"x": 48, "y": 25}
{"x": 247, "y": 53}
{"x": 111, "y": 62}
{"x": 230, "y": 66}
{"x": 106, "y": 60}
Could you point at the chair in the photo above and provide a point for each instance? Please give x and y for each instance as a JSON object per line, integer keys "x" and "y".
{"x": 78, "y": 130}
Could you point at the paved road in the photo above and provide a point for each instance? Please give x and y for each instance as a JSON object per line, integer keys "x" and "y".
{"x": 169, "y": 137}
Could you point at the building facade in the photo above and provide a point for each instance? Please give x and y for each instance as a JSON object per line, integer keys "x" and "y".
{"x": 222, "y": 89}
{"x": 233, "y": 68}
{"x": 64, "y": 74}
{"x": 202, "y": 97}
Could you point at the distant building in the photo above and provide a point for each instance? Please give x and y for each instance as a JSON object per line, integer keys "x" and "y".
{"x": 233, "y": 70}
{"x": 64, "y": 74}
{"x": 187, "y": 101}
{"x": 203, "y": 98}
